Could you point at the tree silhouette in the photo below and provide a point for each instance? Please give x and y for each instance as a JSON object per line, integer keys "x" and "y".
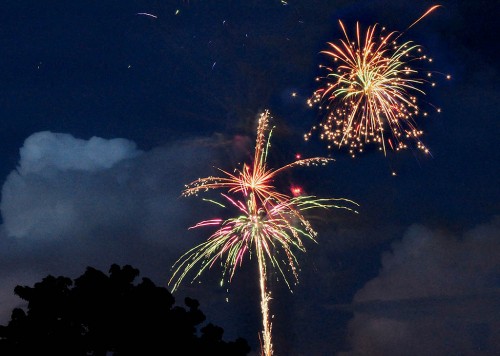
{"x": 101, "y": 315}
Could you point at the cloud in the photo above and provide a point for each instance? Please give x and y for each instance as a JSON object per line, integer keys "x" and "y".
{"x": 74, "y": 203}
{"x": 436, "y": 294}
{"x": 60, "y": 151}
{"x": 72, "y": 187}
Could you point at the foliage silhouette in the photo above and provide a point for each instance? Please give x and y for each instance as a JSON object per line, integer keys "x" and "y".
{"x": 102, "y": 315}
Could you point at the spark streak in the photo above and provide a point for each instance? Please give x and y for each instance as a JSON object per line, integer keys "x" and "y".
{"x": 147, "y": 14}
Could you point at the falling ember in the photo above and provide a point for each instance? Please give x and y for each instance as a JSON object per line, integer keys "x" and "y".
{"x": 269, "y": 225}
{"x": 369, "y": 94}
{"x": 296, "y": 191}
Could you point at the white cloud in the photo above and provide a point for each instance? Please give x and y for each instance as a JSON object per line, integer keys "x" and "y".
{"x": 47, "y": 150}
{"x": 71, "y": 187}
{"x": 436, "y": 294}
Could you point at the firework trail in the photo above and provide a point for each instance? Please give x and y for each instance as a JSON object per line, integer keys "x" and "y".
{"x": 370, "y": 92}
{"x": 270, "y": 225}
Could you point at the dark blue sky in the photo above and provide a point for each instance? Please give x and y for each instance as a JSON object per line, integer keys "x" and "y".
{"x": 105, "y": 115}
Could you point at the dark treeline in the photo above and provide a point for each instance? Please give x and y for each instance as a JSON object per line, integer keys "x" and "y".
{"x": 99, "y": 314}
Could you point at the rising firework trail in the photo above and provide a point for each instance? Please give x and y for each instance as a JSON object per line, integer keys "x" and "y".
{"x": 270, "y": 226}
{"x": 370, "y": 91}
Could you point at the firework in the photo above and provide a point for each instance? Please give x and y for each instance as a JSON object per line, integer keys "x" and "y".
{"x": 270, "y": 225}
{"x": 281, "y": 226}
{"x": 256, "y": 177}
{"x": 370, "y": 92}
{"x": 272, "y": 234}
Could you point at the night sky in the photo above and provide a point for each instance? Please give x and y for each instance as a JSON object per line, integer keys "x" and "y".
{"x": 105, "y": 114}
